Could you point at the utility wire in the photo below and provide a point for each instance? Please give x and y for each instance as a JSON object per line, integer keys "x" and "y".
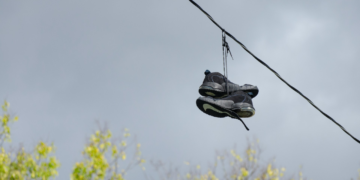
{"x": 263, "y": 63}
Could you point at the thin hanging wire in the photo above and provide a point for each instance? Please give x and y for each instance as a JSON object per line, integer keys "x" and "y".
{"x": 226, "y": 50}
{"x": 263, "y": 63}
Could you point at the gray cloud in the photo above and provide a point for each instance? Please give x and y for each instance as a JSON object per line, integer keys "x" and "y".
{"x": 138, "y": 64}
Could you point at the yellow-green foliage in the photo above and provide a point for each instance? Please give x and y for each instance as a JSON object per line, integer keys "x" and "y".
{"x": 5, "y": 120}
{"x": 238, "y": 167}
{"x": 21, "y": 164}
{"x": 102, "y": 158}
{"x": 105, "y": 158}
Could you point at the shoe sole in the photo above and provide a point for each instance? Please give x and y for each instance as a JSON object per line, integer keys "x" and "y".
{"x": 210, "y": 91}
{"x": 215, "y": 110}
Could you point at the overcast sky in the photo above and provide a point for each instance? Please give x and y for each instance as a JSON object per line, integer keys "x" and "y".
{"x": 138, "y": 64}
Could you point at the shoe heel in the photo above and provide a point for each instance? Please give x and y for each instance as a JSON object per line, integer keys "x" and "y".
{"x": 245, "y": 112}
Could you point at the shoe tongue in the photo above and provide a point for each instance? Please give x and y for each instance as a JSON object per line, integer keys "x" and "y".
{"x": 207, "y": 72}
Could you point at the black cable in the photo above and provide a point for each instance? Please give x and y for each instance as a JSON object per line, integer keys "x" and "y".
{"x": 263, "y": 63}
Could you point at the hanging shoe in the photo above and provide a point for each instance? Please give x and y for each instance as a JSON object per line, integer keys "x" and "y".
{"x": 214, "y": 85}
{"x": 238, "y": 102}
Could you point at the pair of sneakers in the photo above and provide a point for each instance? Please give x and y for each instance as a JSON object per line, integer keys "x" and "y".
{"x": 217, "y": 102}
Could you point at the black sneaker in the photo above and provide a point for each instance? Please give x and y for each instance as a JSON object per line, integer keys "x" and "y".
{"x": 238, "y": 102}
{"x": 215, "y": 85}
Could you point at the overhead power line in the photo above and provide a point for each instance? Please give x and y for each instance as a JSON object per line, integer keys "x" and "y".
{"x": 272, "y": 70}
